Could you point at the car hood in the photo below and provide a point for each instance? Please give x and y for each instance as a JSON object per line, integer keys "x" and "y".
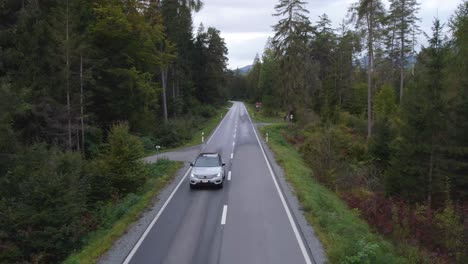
{"x": 206, "y": 170}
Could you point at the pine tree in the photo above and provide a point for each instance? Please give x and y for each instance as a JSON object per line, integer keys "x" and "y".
{"x": 457, "y": 151}
{"x": 291, "y": 48}
{"x": 253, "y": 79}
{"x": 368, "y": 15}
{"x": 323, "y": 50}
{"x": 403, "y": 24}
{"x": 267, "y": 83}
{"x": 417, "y": 171}
{"x": 347, "y": 45}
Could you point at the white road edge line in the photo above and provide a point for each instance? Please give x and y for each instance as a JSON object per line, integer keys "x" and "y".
{"x": 229, "y": 175}
{"x": 223, "y": 217}
{"x": 283, "y": 201}
{"x": 148, "y": 229}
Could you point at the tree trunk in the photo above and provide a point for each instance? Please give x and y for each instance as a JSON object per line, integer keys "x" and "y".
{"x": 164, "y": 86}
{"x": 177, "y": 88}
{"x": 174, "y": 77}
{"x": 402, "y": 57}
{"x": 369, "y": 75}
{"x": 68, "y": 83}
{"x": 431, "y": 165}
{"x": 82, "y": 107}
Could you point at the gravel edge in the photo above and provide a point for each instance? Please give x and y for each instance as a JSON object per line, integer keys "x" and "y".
{"x": 316, "y": 251}
{"x": 122, "y": 247}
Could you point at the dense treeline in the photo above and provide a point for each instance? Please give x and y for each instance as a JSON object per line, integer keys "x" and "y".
{"x": 374, "y": 114}
{"x": 85, "y": 87}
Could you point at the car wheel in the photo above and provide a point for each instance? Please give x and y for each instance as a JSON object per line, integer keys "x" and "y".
{"x": 220, "y": 186}
{"x": 192, "y": 186}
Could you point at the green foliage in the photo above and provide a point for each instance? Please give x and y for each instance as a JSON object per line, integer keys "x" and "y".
{"x": 417, "y": 165}
{"x": 291, "y": 50}
{"x": 366, "y": 253}
{"x": 335, "y": 156}
{"x": 355, "y": 123}
{"x": 115, "y": 217}
{"x": 385, "y": 103}
{"x": 358, "y": 103}
{"x": 253, "y": 80}
{"x": 43, "y": 205}
{"x": 451, "y": 230}
{"x": 211, "y": 61}
{"x": 118, "y": 170}
{"x": 339, "y": 228}
{"x": 69, "y": 71}
{"x": 380, "y": 146}
{"x": 267, "y": 83}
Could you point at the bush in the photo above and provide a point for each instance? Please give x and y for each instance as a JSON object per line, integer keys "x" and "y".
{"x": 356, "y": 124}
{"x": 175, "y": 132}
{"x": 42, "y": 205}
{"x": 450, "y": 230}
{"x": 335, "y": 157}
{"x": 118, "y": 170}
{"x": 319, "y": 153}
{"x": 365, "y": 253}
{"x": 148, "y": 143}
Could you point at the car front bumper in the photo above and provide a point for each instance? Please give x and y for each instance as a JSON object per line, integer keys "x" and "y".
{"x": 212, "y": 181}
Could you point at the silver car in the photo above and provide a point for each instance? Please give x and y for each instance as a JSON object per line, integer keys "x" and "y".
{"x": 208, "y": 169}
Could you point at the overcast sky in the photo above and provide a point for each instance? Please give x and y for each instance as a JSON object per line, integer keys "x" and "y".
{"x": 246, "y": 24}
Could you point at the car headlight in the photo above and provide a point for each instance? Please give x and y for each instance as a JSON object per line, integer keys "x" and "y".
{"x": 219, "y": 174}
{"x": 192, "y": 175}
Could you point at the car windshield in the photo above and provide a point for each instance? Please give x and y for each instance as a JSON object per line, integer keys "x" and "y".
{"x": 207, "y": 162}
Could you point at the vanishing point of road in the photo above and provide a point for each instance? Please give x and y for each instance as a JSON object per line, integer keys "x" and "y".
{"x": 248, "y": 221}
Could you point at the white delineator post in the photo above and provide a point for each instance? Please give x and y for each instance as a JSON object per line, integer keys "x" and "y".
{"x": 202, "y": 137}
{"x": 157, "y": 151}
{"x": 267, "y": 137}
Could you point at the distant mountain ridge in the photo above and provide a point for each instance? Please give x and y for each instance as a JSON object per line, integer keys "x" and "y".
{"x": 245, "y": 69}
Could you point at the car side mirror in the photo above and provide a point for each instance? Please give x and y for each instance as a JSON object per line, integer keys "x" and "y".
{"x": 191, "y": 164}
{"x": 224, "y": 164}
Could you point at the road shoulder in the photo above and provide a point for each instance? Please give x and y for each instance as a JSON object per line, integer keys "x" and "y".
{"x": 126, "y": 242}
{"x": 308, "y": 234}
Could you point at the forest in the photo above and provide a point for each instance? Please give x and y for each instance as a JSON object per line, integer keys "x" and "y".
{"x": 86, "y": 89}
{"x": 89, "y": 87}
{"x": 380, "y": 119}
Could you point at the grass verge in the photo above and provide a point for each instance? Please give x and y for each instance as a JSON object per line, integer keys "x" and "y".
{"x": 207, "y": 127}
{"x": 345, "y": 236}
{"x": 260, "y": 117}
{"x": 117, "y": 217}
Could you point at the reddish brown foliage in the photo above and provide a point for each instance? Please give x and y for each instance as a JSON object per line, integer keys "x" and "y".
{"x": 393, "y": 217}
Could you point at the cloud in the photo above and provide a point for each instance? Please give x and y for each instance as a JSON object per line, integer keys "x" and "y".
{"x": 246, "y": 24}
{"x": 243, "y": 46}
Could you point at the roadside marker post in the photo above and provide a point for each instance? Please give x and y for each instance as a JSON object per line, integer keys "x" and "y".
{"x": 157, "y": 151}
{"x": 266, "y": 137}
{"x": 202, "y": 137}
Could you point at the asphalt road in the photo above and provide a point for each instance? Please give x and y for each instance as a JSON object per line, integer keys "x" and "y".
{"x": 248, "y": 221}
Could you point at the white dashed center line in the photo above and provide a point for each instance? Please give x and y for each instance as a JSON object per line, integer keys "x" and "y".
{"x": 232, "y": 155}
{"x": 223, "y": 217}
{"x": 229, "y": 175}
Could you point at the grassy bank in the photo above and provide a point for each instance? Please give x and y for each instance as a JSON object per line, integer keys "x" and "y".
{"x": 208, "y": 126}
{"x": 261, "y": 117}
{"x": 192, "y": 136}
{"x": 117, "y": 217}
{"x": 346, "y": 237}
